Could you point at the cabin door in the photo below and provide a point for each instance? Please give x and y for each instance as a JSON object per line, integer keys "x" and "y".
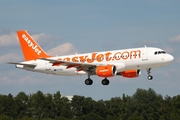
{"x": 145, "y": 55}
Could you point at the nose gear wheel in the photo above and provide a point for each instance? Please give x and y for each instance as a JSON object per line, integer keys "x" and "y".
{"x": 150, "y": 77}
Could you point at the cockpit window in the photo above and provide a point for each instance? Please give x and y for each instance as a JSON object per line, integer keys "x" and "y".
{"x": 159, "y": 52}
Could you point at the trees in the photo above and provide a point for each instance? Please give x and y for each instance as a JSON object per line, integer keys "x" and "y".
{"x": 143, "y": 104}
{"x": 9, "y": 106}
{"x": 175, "y": 114}
{"x": 81, "y": 106}
{"x": 21, "y": 104}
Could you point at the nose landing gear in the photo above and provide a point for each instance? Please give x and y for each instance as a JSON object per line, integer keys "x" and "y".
{"x": 150, "y": 77}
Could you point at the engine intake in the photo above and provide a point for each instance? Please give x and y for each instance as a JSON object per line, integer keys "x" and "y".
{"x": 106, "y": 71}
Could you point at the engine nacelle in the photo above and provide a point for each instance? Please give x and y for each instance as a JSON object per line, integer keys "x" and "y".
{"x": 106, "y": 71}
{"x": 131, "y": 73}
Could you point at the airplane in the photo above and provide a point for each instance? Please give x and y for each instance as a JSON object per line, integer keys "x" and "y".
{"x": 126, "y": 62}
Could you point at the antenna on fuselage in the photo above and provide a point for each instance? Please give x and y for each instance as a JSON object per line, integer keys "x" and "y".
{"x": 145, "y": 46}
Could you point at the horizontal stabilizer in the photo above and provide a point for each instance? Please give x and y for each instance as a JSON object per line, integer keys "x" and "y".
{"x": 25, "y": 64}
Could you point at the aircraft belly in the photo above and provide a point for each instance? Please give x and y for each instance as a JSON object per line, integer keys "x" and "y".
{"x": 64, "y": 71}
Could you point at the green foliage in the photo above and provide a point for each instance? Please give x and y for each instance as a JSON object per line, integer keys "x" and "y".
{"x": 142, "y": 105}
{"x": 26, "y": 118}
{"x": 4, "y": 117}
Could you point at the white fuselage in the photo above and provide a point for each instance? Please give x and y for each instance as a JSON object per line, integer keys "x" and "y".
{"x": 127, "y": 59}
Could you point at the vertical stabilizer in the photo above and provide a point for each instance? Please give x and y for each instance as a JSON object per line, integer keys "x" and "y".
{"x": 30, "y": 48}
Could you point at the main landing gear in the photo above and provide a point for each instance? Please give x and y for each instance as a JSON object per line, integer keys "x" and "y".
{"x": 89, "y": 81}
{"x": 105, "y": 81}
{"x": 150, "y": 77}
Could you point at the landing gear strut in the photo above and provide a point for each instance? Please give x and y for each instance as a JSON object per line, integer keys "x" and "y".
{"x": 88, "y": 81}
{"x": 150, "y": 77}
{"x": 105, "y": 81}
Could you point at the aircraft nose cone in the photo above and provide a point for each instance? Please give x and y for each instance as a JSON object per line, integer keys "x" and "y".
{"x": 170, "y": 58}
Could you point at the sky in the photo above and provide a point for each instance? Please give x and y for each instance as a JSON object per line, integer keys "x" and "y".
{"x": 69, "y": 27}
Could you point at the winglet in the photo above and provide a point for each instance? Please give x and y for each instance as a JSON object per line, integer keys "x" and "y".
{"x": 30, "y": 48}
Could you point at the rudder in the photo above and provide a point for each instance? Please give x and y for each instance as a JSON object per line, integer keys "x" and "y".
{"x": 30, "y": 48}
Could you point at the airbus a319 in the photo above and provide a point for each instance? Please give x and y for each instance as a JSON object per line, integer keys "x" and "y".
{"x": 126, "y": 62}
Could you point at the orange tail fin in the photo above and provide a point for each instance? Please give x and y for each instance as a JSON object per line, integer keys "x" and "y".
{"x": 30, "y": 48}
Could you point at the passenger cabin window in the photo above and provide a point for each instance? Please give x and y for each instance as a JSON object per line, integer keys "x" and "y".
{"x": 159, "y": 52}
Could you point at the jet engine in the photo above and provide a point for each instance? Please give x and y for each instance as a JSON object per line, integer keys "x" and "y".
{"x": 131, "y": 73}
{"x": 106, "y": 71}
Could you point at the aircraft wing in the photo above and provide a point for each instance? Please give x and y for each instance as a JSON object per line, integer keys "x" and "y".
{"x": 69, "y": 64}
